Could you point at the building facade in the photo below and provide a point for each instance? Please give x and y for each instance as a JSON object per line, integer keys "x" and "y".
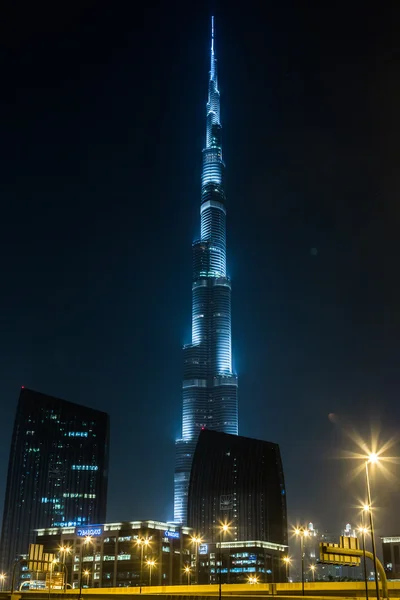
{"x": 239, "y": 481}
{"x": 57, "y": 472}
{"x": 210, "y": 385}
{"x": 391, "y": 556}
{"x": 120, "y": 554}
{"x": 242, "y": 562}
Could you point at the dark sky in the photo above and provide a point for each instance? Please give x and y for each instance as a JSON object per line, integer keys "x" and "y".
{"x": 102, "y": 125}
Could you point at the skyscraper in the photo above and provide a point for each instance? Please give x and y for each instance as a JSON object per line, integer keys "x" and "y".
{"x": 209, "y": 384}
{"x": 57, "y": 472}
{"x": 240, "y": 481}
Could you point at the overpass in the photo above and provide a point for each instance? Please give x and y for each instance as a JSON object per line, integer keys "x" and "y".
{"x": 318, "y": 591}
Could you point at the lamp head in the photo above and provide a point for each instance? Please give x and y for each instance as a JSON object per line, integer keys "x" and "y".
{"x": 373, "y": 458}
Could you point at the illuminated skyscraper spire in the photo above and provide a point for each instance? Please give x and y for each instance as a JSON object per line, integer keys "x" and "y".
{"x": 209, "y": 384}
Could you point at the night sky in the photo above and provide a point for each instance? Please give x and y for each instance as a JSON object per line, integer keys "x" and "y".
{"x": 102, "y": 127}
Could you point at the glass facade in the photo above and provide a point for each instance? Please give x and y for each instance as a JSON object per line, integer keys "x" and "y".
{"x": 57, "y": 473}
{"x": 210, "y": 386}
{"x": 240, "y": 481}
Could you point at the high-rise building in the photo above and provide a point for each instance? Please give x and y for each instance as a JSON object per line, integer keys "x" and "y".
{"x": 209, "y": 384}
{"x": 239, "y": 481}
{"x": 57, "y": 472}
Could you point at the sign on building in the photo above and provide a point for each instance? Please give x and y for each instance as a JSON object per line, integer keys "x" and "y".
{"x": 90, "y": 531}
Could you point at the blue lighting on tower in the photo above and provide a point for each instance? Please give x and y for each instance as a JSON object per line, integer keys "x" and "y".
{"x": 209, "y": 385}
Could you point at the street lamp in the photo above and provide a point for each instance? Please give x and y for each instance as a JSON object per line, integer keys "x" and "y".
{"x": 86, "y": 541}
{"x": 187, "y": 571}
{"x": 287, "y": 561}
{"x": 142, "y": 542}
{"x": 364, "y": 530}
{"x": 302, "y": 532}
{"x": 196, "y": 540}
{"x": 252, "y": 579}
{"x": 150, "y": 563}
{"x": 2, "y": 579}
{"x": 222, "y": 530}
{"x": 312, "y": 569}
{"x": 373, "y": 459}
{"x": 53, "y": 562}
{"x": 86, "y": 574}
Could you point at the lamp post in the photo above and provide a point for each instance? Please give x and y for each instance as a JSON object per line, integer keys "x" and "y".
{"x": 223, "y": 529}
{"x": 142, "y": 542}
{"x": 196, "y": 540}
{"x": 286, "y": 560}
{"x": 302, "y": 532}
{"x": 86, "y": 541}
{"x": 150, "y": 563}
{"x": 372, "y": 458}
{"x": 187, "y": 571}
{"x": 312, "y": 569}
{"x": 2, "y": 579}
{"x": 63, "y": 550}
{"x": 364, "y": 530}
{"x": 53, "y": 562}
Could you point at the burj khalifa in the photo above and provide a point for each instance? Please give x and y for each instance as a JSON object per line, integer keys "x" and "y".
{"x": 210, "y": 387}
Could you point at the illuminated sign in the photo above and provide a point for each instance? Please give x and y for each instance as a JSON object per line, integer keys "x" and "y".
{"x": 203, "y": 549}
{"x": 91, "y": 531}
{"x": 172, "y": 534}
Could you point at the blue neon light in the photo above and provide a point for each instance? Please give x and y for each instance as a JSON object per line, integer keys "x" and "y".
{"x": 172, "y": 534}
{"x": 93, "y": 531}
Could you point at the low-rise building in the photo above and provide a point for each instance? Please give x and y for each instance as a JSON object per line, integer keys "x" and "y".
{"x": 132, "y": 553}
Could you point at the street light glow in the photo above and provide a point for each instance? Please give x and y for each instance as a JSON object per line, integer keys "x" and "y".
{"x": 366, "y": 507}
{"x": 373, "y": 457}
{"x": 150, "y": 562}
{"x": 187, "y": 569}
{"x": 287, "y": 560}
{"x": 196, "y": 540}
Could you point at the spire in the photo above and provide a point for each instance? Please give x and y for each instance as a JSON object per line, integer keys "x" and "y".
{"x": 213, "y": 69}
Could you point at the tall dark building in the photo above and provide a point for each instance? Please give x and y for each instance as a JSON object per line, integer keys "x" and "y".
{"x": 209, "y": 384}
{"x": 57, "y": 472}
{"x": 240, "y": 481}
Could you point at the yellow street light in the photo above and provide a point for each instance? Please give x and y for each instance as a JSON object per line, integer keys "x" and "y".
{"x": 150, "y": 563}
{"x": 287, "y": 560}
{"x": 312, "y": 569}
{"x": 373, "y": 457}
{"x": 252, "y": 579}
{"x": 142, "y": 542}
{"x": 301, "y": 532}
{"x": 224, "y": 528}
{"x": 2, "y": 580}
{"x": 187, "y": 570}
{"x": 196, "y": 539}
